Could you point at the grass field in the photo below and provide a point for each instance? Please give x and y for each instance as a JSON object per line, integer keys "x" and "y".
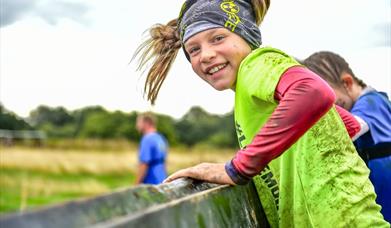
{"x": 31, "y": 177}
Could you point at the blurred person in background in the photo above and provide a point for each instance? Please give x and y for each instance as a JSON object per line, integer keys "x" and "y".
{"x": 152, "y": 151}
{"x": 372, "y": 109}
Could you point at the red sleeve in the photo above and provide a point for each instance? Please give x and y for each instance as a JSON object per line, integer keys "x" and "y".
{"x": 303, "y": 99}
{"x": 351, "y": 124}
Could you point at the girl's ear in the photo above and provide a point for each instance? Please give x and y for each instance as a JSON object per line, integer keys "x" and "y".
{"x": 347, "y": 81}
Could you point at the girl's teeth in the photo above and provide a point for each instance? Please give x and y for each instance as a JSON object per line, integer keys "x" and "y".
{"x": 216, "y": 68}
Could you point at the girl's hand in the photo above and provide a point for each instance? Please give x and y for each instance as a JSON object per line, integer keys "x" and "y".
{"x": 209, "y": 172}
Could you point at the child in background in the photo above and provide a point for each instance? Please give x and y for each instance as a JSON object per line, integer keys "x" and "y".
{"x": 373, "y": 111}
{"x": 294, "y": 145}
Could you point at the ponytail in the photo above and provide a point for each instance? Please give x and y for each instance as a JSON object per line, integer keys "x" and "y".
{"x": 260, "y": 8}
{"x": 161, "y": 49}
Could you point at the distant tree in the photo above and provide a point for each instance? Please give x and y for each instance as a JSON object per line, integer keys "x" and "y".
{"x": 196, "y": 125}
{"x": 166, "y": 126}
{"x": 104, "y": 124}
{"x": 10, "y": 121}
{"x": 127, "y": 127}
{"x": 97, "y": 125}
{"x": 225, "y": 136}
{"x": 80, "y": 115}
{"x": 56, "y": 122}
{"x": 58, "y": 116}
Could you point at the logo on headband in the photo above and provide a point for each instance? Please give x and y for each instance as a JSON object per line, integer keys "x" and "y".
{"x": 231, "y": 9}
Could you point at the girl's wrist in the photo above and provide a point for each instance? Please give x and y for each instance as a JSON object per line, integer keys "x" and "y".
{"x": 234, "y": 174}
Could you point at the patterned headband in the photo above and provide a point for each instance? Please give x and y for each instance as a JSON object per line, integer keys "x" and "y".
{"x": 235, "y": 15}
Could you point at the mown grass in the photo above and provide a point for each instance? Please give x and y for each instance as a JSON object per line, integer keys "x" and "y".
{"x": 21, "y": 189}
{"x": 32, "y": 177}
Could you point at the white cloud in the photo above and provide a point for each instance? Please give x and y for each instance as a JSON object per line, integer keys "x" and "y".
{"x": 49, "y": 10}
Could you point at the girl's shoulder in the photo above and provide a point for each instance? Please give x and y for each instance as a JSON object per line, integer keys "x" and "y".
{"x": 268, "y": 57}
{"x": 260, "y": 72}
{"x": 268, "y": 51}
{"x": 267, "y": 60}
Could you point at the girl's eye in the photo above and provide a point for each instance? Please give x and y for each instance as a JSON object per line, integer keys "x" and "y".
{"x": 193, "y": 50}
{"x": 219, "y": 38}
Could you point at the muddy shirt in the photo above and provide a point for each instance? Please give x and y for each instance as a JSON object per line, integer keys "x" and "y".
{"x": 320, "y": 180}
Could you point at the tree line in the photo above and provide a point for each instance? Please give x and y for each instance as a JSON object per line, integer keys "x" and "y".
{"x": 196, "y": 127}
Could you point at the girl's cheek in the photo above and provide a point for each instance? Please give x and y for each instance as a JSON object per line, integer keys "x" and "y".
{"x": 194, "y": 68}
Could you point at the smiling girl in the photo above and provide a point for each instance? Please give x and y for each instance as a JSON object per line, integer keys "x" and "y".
{"x": 294, "y": 145}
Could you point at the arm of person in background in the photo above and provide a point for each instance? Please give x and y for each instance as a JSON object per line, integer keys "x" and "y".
{"x": 354, "y": 124}
{"x": 296, "y": 112}
{"x": 364, "y": 128}
{"x": 144, "y": 158}
{"x": 141, "y": 172}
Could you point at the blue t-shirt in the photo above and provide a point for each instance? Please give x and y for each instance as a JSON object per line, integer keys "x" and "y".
{"x": 153, "y": 152}
{"x": 375, "y": 109}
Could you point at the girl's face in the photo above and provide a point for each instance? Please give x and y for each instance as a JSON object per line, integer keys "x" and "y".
{"x": 215, "y": 56}
{"x": 343, "y": 98}
{"x": 348, "y": 92}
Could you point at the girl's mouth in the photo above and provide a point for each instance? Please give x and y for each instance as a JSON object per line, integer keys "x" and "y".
{"x": 216, "y": 68}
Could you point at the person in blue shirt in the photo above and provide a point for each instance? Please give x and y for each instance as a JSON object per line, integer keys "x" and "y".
{"x": 372, "y": 109}
{"x": 152, "y": 151}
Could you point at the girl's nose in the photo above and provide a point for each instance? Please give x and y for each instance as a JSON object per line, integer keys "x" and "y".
{"x": 207, "y": 55}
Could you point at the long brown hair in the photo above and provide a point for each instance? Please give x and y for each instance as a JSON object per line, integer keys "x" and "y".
{"x": 161, "y": 48}
{"x": 260, "y": 9}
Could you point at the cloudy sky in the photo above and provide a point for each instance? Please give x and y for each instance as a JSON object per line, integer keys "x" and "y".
{"x": 76, "y": 53}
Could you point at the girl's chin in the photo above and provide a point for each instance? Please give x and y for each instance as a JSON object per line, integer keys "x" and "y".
{"x": 221, "y": 87}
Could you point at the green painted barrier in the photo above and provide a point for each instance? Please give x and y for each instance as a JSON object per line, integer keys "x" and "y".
{"x": 182, "y": 203}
